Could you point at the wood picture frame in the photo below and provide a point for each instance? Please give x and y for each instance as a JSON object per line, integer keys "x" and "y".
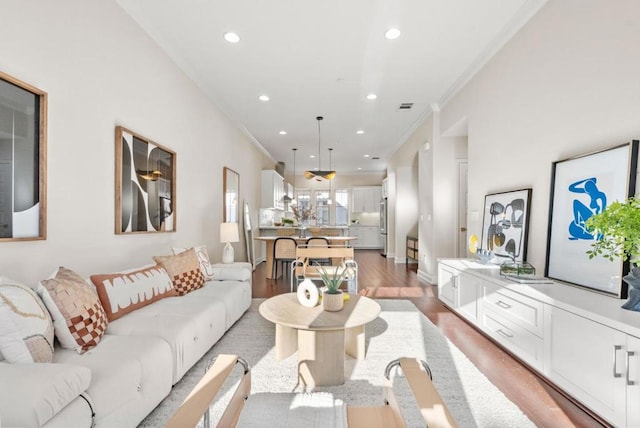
{"x": 145, "y": 185}
{"x": 230, "y": 195}
{"x": 505, "y": 224}
{"x": 580, "y": 187}
{"x": 23, "y": 161}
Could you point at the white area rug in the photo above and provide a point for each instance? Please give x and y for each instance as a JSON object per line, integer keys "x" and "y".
{"x": 400, "y": 330}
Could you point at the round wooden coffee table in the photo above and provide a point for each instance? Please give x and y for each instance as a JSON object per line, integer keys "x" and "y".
{"x": 320, "y": 337}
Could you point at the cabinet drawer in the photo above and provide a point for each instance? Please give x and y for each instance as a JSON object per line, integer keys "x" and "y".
{"x": 516, "y": 339}
{"x": 525, "y": 312}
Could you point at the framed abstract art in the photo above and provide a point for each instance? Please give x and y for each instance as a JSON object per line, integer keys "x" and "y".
{"x": 581, "y": 187}
{"x": 145, "y": 185}
{"x": 23, "y": 161}
{"x": 505, "y": 224}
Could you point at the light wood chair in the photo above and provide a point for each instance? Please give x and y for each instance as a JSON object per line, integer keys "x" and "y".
{"x": 417, "y": 373}
{"x": 284, "y": 251}
{"x": 319, "y": 241}
{"x": 340, "y": 257}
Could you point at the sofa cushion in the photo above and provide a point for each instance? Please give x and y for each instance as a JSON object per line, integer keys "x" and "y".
{"x": 130, "y": 376}
{"x": 26, "y": 329}
{"x": 235, "y": 295}
{"x": 78, "y": 317}
{"x": 238, "y": 271}
{"x": 32, "y": 394}
{"x": 123, "y": 292}
{"x": 190, "y": 327}
{"x": 203, "y": 259}
{"x": 184, "y": 271}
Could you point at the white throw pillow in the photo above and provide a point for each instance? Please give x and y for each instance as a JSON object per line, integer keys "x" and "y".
{"x": 203, "y": 260}
{"x": 26, "y": 329}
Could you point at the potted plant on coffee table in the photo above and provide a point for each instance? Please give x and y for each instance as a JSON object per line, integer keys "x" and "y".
{"x": 617, "y": 232}
{"x": 332, "y": 277}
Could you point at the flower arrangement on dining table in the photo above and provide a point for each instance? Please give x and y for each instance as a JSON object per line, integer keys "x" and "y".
{"x": 302, "y": 214}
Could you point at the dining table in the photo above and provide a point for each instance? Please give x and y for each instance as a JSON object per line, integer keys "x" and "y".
{"x": 270, "y": 240}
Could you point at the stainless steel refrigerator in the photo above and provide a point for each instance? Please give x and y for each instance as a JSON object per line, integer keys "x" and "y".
{"x": 383, "y": 226}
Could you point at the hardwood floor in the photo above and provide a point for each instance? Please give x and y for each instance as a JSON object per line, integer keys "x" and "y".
{"x": 382, "y": 278}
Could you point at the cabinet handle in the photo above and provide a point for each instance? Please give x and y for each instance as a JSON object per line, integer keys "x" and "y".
{"x": 616, "y": 348}
{"x": 454, "y": 282}
{"x": 504, "y": 333}
{"x": 503, "y": 304}
{"x": 629, "y": 354}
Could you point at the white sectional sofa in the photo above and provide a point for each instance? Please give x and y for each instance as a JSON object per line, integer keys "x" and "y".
{"x": 133, "y": 367}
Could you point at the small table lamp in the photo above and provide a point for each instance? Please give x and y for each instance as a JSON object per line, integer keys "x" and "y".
{"x": 228, "y": 234}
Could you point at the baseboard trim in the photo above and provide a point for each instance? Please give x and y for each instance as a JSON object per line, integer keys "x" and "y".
{"x": 426, "y": 278}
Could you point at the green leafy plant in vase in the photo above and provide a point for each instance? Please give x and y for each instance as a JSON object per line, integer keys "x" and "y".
{"x": 332, "y": 277}
{"x": 617, "y": 232}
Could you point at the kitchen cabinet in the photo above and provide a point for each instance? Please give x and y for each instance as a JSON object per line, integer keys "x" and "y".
{"x": 272, "y": 189}
{"x": 366, "y": 199}
{"x": 367, "y": 236}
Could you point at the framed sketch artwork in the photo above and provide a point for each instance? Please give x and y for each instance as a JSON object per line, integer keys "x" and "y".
{"x": 505, "y": 224}
{"x": 145, "y": 185}
{"x": 581, "y": 187}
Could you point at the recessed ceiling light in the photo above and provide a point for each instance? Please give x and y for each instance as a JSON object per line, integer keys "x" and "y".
{"x": 283, "y": 132}
{"x": 359, "y": 131}
{"x": 366, "y": 156}
{"x": 372, "y": 96}
{"x": 392, "y": 33}
{"x": 312, "y": 156}
{"x": 359, "y": 169}
{"x": 264, "y": 98}
{"x": 231, "y": 37}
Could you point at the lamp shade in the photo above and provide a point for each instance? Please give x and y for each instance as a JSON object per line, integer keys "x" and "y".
{"x": 229, "y": 232}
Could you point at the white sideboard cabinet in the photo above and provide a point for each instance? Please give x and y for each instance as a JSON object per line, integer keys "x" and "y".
{"x": 580, "y": 340}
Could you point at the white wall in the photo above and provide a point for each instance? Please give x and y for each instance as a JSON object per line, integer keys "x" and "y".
{"x": 100, "y": 70}
{"x": 565, "y": 85}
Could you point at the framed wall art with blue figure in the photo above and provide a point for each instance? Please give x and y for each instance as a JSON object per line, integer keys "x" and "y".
{"x": 581, "y": 187}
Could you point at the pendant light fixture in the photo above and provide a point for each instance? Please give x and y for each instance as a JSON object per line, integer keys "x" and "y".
{"x": 330, "y": 200}
{"x": 319, "y": 174}
{"x": 293, "y": 199}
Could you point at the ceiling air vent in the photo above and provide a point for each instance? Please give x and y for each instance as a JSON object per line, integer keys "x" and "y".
{"x": 405, "y": 106}
{"x": 375, "y": 158}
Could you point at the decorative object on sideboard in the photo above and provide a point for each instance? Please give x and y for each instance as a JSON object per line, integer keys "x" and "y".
{"x": 483, "y": 256}
{"x": 228, "y": 234}
{"x": 319, "y": 174}
{"x": 617, "y": 230}
{"x": 145, "y": 185}
{"x": 505, "y": 224}
{"x": 582, "y": 187}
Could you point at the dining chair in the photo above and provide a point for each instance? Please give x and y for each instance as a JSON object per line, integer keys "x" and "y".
{"x": 284, "y": 251}
{"x": 318, "y": 241}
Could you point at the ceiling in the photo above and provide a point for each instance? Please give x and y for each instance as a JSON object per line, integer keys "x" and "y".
{"x": 322, "y": 58}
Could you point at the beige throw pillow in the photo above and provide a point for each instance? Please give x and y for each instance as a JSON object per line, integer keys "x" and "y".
{"x": 184, "y": 271}
{"x": 203, "y": 260}
{"x": 78, "y": 317}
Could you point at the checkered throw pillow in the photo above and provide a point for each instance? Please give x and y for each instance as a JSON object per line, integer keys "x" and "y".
{"x": 79, "y": 320}
{"x": 184, "y": 271}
